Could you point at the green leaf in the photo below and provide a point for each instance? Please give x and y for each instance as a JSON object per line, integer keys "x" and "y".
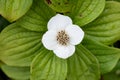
{"x": 85, "y": 11}
{"x": 19, "y": 73}
{"x": 107, "y": 56}
{"x": 46, "y": 66}
{"x": 18, "y": 46}
{"x": 81, "y": 11}
{"x": 106, "y": 28}
{"x": 113, "y": 0}
{"x": 117, "y": 68}
{"x": 61, "y": 6}
{"x": 14, "y": 9}
{"x": 83, "y": 65}
{"x": 1, "y": 63}
{"x": 114, "y": 75}
{"x": 37, "y": 17}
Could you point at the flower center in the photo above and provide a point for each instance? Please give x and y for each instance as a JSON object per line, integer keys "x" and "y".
{"x": 62, "y": 38}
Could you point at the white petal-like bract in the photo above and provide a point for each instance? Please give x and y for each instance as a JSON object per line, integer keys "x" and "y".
{"x": 75, "y": 33}
{"x": 64, "y": 51}
{"x": 49, "y": 39}
{"x": 62, "y": 36}
{"x": 59, "y": 22}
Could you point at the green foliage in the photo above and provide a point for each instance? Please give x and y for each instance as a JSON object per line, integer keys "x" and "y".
{"x": 81, "y": 11}
{"x": 85, "y": 11}
{"x": 107, "y": 56}
{"x": 113, "y": 0}
{"x": 106, "y": 27}
{"x": 18, "y": 46}
{"x": 46, "y": 66}
{"x": 37, "y": 17}
{"x": 114, "y": 74}
{"x": 24, "y": 56}
{"x": 83, "y": 65}
{"x": 61, "y": 6}
{"x": 17, "y": 73}
{"x": 14, "y": 9}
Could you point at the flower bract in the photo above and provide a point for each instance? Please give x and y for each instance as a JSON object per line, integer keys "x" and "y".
{"x": 62, "y": 36}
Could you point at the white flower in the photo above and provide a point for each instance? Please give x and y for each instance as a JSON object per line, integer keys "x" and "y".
{"x": 62, "y": 36}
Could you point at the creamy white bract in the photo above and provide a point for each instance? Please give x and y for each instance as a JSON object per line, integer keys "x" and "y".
{"x": 62, "y": 36}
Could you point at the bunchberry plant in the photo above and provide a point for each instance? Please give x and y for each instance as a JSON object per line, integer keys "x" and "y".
{"x": 59, "y": 39}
